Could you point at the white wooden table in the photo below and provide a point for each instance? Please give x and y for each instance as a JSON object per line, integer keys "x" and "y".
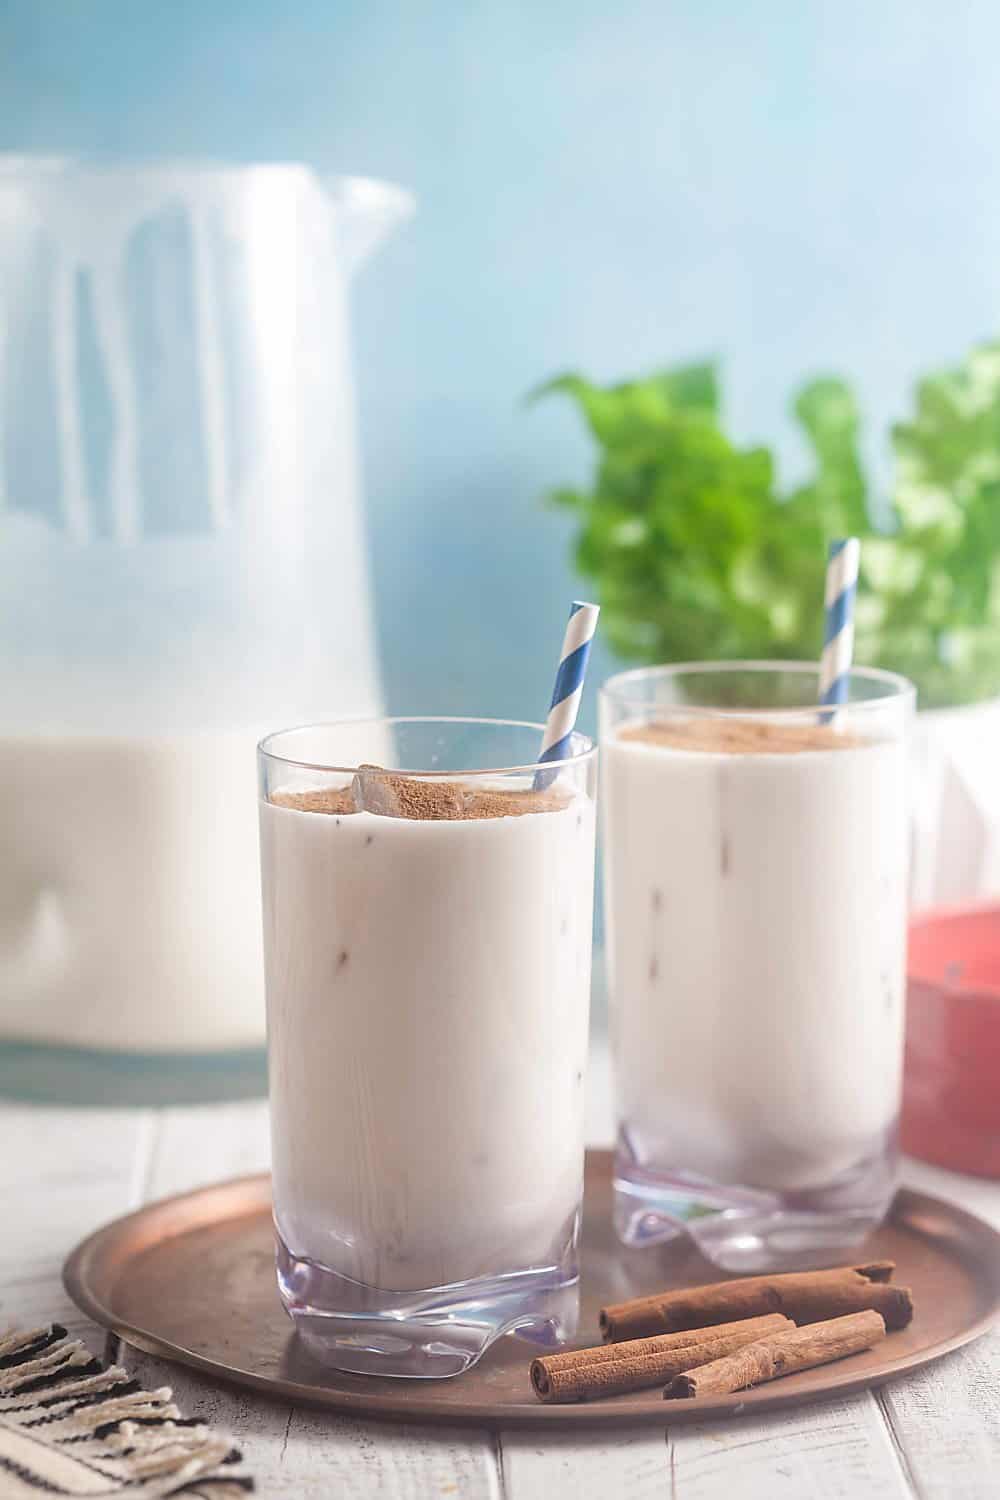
{"x": 65, "y": 1171}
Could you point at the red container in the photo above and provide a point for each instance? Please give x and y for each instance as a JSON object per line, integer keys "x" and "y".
{"x": 951, "y": 1081}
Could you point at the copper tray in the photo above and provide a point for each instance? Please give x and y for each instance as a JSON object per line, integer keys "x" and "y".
{"x": 192, "y": 1278}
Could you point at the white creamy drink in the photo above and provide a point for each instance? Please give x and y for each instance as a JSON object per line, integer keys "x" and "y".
{"x": 756, "y": 908}
{"x": 428, "y": 970}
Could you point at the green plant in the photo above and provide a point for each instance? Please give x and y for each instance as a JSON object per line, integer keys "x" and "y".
{"x": 697, "y": 553}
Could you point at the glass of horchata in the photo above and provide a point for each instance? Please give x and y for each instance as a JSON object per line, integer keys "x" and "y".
{"x": 755, "y": 897}
{"x": 427, "y": 931}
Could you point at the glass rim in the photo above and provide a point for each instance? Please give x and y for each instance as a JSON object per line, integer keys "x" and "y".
{"x": 897, "y": 688}
{"x": 583, "y": 755}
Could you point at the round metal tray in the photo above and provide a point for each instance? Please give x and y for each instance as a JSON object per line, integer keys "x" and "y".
{"x": 192, "y": 1279}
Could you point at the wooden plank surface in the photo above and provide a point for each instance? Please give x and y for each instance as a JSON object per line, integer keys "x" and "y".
{"x": 566, "y": 1466}
{"x": 946, "y": 1423}
{"x": 836, "y": 1450}
{"x": 839, "y": 1450}
{"x": 298, "y": 1452}
{"x": 63, "y": 1172}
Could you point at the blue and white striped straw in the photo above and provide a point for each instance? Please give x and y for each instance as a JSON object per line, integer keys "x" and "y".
{"x": 838, "y": 635}
{"x": 568, "y": 690}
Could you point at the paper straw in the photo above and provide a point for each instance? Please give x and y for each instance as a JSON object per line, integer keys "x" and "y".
{"x": 568, "y": 690}
{"x": 838, "y": 636}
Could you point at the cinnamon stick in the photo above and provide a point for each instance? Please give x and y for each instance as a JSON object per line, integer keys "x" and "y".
{"x": 609, "y": 1369}
{"x": 781, "y": 1354}
{"x": 804, "y": 1296}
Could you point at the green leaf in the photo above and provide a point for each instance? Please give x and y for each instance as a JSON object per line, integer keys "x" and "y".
{"x": 634, "y": 414}
{"x": 566, "y": 498}
{"x": 690, "y": 388}
{"x": 697, "y": 553}
{"x": 828, "y": 414}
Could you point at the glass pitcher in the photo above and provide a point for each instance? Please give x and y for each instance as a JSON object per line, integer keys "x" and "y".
{"x": 182, "y": 567}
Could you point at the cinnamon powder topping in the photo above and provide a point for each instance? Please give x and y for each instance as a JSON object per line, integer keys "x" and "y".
{"x": 393, "y": 796}
{"x": 326, "y": 799}
{"x": 722, "y": 736}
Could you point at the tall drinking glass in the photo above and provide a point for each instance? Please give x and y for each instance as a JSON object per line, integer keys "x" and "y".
{"x": 427, "y": 936}
{"x": 756, "y": 911}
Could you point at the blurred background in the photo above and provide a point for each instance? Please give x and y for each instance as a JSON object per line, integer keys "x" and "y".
{"x": 790, "y": 207}
{"x": 791, "y": 187}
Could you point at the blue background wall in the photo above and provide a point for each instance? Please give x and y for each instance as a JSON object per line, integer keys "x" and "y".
{"x": 792, "y": 185}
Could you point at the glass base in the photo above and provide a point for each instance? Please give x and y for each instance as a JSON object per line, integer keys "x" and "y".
{"x": 746, "y": 1229}
{"x": 429, "y": 1334}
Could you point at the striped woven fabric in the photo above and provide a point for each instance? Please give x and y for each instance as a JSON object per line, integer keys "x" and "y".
{"x": 68, "y": 1426}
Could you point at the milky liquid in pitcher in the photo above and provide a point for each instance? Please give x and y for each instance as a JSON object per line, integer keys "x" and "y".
{"x": 129, "y": 892}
